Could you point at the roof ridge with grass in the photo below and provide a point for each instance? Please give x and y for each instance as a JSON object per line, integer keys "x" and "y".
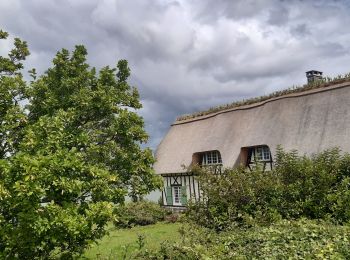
{"x": 314, "y": 87}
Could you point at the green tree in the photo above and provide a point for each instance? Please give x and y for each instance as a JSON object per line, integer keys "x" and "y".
{"x": 78, "y": 156}
{"x": 12, "y": 116}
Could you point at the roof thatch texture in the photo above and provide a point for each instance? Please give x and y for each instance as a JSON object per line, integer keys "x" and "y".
{"x": 310, "y": 121}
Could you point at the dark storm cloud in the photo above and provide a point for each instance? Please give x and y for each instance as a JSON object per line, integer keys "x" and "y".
{"x": 278, "y": 15}
{"x": 300, "y": 31}
{"x": 189, "y": 55}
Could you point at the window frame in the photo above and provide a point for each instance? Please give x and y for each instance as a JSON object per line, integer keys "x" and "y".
{"x": 262, "y": 154}
{"x": 174, "y": 193}
{"x": 211, "y": 158}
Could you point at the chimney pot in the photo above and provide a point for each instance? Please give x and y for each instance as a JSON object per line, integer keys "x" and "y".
{"x": 313, "y": 75}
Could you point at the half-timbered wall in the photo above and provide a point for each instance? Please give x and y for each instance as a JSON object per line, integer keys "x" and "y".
{"x": 186, "y": 180}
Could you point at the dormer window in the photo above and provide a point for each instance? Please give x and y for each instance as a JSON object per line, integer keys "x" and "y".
{"x": 254, "y": 155}
{"x": 261, "y": 154}
{"x": 211, "y": 158}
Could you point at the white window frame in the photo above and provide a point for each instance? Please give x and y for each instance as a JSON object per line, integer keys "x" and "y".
{"x": 176, "y": 195}
{"x": 262, "y": 154}
{"x": 211, "y": 158}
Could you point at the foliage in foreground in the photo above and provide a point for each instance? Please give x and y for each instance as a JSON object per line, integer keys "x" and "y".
{"x": 300, "y": 210}
{"x": 70, "y": 156}
{"x": 139, "y": 213}
{"x": 315, "y": 187}
{"x": 301, "y": 239}
{"x": 126, "y": 243}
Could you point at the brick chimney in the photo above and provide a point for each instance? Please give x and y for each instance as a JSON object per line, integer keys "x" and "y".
{"x": 313, "y": 75}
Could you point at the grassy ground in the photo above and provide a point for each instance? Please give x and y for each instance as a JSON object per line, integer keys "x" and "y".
{"x": 124, "y": 241}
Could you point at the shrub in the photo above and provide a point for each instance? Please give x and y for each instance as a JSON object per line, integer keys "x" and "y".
{"x": 299, "y": 210}
{"x": 310, "y": 185}
{"x": 235, "y": 197}
{"x": 139, "y": 213}
{"x": 313, "y": 187}
{"x": 172, "y": 217}
{"x": 339, "y": 201}
{"x": 301, "y": 239}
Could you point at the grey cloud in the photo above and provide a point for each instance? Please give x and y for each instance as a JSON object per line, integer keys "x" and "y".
{"x": 278, "y": 15}
{"x": 190, "y": 55}
{"x": 300, "y": 30}
{"x": 153, "y": 31}
{"x": 333, "y": 49}
{"x": 209, "y": 11}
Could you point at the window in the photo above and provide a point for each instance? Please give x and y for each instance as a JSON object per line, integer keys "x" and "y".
{"x": 176, "y": 195}
{"x": 262, "y": 153}
{"x": 256, "y": 156}
{"x": 211, "y": 158}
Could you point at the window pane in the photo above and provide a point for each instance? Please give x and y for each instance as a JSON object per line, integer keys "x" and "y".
{"x": 204, "y": 160}
{"x": 211, "y": 157}
{"x": 215, "y": 157}
{"x": 258, "y": 154}
{"x": 210, "y": 161}
{"x": 177, "y": 193}
{"x": 266, "y": 153}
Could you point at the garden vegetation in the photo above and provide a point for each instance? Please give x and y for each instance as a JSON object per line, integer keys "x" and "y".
{"x": 315, "y": 187}
{"x": 72, "y": 153}
{"x": 299, "y": 210}
{"x": 69, "y": 156}
{"x": 140, "y": 213}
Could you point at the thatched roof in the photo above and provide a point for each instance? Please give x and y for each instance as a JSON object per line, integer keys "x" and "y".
{"x": 314, "y": 84}
{"x": 308, "y": 121}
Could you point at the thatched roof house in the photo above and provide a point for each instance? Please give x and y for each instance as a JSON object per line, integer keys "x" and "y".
{"x": 309, "y": 121}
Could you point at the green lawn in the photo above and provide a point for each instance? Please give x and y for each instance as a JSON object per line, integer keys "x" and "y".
{"x": 114, "y": 245}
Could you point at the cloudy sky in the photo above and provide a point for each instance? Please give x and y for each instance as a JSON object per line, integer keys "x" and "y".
{"x": 189, "y": 55}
